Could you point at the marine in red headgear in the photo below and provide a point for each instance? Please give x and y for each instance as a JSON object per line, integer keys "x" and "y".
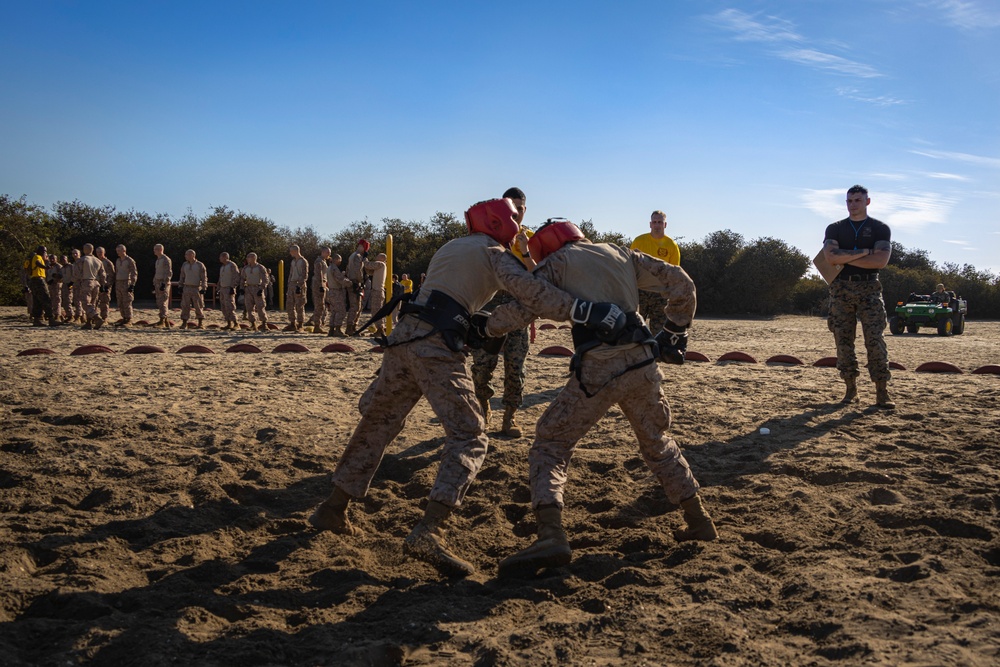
{"x": 497, "y": 218}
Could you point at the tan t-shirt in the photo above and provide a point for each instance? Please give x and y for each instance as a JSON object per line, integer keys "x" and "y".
{"x": 229, "y": 275}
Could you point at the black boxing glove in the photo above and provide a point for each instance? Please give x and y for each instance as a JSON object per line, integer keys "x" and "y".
{"x": 672, "y": 342}
{"x": 201, "y": 291}
{"x": 605, "y": 319}
{"x": 163, "y": 287}
{"x": 260, "y": 292}
{"x": 477, "y": 337}
{"x": 298, "y": 289}
{"x": 130, "y": 289}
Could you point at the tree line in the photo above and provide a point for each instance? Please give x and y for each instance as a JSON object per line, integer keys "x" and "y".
{"x": 734, "y": 276}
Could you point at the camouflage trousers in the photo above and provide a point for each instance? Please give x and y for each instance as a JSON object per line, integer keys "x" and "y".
{"x": 376, "y": 303}
{"x": 572, "y": 414}
{"x": 67, "y": 300}
{"x": 87, "y": 292}
{"x": 337, "y": 300}
{"x": 256, "y": 306}
{"x": 428, "y": 368}
{"x": 651, "y": 306}
{"x": 125, "y": 299}
{"x": 515, "y": 351}
{"x": 191, "y": 298}
{"x": 850, "y": 302}
{"x": 162, "y": 299}
{"x": 295, "y": 303}
{"x": 227, "y": 303}
{"x": 55, "y": 291}
{"x": 104, "y": 302}
{"x": 354, "y": 312}
{"x": 40, "y": 304}
{"x": 319, "y": 305}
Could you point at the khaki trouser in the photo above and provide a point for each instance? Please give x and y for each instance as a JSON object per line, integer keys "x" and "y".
{"x": 88, "y": 292}
{"x": 572, "y": 414}
{"x": 355, "y": 300}
{"x": 67, "y": 299}
{"x": 227, "y": 303}
{"x": 104, "y": 302}
{"x": 377, "y": 301}
{"x": 255, "y": 305}
{"x": 190, "y": 298}
{"x": 55, "y": 292}
{"x": 428, "y": 368}
{"x": 125, "y": 299}
{"x": 295, "y": 303}
{"x": 336, "y": 299}
{"x": 319, "y": 304}
{"x": 162, "y": 299}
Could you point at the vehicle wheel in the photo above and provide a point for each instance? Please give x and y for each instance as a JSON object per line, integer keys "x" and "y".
{"x": 911, "y": 328}
{"x": 945, "y": 326}
{"x": 895, "y": 326}
{"x": 959, "y": 327}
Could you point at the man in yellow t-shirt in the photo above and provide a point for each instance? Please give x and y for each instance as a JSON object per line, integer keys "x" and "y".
{"x": 656, "y": 244}
{"x": 36, "y": 270}
{"x": 407, "y": 283}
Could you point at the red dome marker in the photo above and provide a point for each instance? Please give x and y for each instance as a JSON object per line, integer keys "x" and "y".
{"x": 338, "y": 347}
{"x": 938, "y": 367}
{"x": 290, "y": 347}
{"x": 145, "y": 349}
{"x": 691, "y": 355}
{"x": 738, "y": 356}
{"x": 91, "y": 349}
{"x": 546, "y": 326}
{"x": 784, "y": 359}
{"x": 245, "y": 348}
{"x": 195, "y": 349}
{"x": 826, "y": 362}
{"x": 556, "y": 351}
{"x": 32, "y": 351}
{"x": 989, "y": 369}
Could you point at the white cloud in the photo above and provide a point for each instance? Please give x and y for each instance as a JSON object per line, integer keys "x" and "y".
{"x": 898, "y": 210}
{"x": 946, "y": 177}
{"x": 969, "y": 15}
{"x": 880, "y": 101}
{"x": 955, "y": 242}
{"x": 774, "y": 30}
{"x": 830, "y": 62}
{"x": 748, "y": 29}
{"x": 960, "y": 157}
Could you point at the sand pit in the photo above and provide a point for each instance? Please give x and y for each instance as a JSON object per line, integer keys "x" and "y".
{"x": 153, "y": 512}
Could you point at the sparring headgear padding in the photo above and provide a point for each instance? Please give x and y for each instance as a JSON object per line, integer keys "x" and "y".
{"x": 497, "y": 218}
{"x": 551, "y": 236}
{"x": 364, "y": 243}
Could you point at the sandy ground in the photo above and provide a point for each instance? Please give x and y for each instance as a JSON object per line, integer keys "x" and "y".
{"x": 153, "y": 513}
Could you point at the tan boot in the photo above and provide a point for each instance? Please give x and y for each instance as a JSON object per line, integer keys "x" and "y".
{"x": 484, "y": 405}
{"x": 200, "y": 324}
{"x": 852, "y": 391}
{"x": 551, "y": 549}
{"x": 335, "y": 332}
{"x": 426, "y": 542}
{"x": 317, "y": 329}
{"x": 98, "y": 322}
{"x": 290, "y": 327}
{"x": 882, "y": 398}
{"x": 510, "y": 427}
{"x": 699, "y": 523}
{"x": 332, "y": 514}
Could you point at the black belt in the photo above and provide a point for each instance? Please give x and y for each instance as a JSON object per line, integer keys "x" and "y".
{"x": 859, "y": 277}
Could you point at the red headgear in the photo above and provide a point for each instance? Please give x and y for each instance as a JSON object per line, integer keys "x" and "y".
{"x": 551, "y": 236}
{"x": 365, "y": 243}
{"x": 497, "y": 218}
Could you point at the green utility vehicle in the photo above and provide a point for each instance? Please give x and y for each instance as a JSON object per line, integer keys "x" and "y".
{"x": 926, "y": 310}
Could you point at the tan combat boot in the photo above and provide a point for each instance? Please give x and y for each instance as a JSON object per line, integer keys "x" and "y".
{"x": 426, "y": 542}
{"x": 551, "y": 549}
{"x": 317, "y": 329}
{"x": 699, "y": 523}
{"x": 335, "y": 332}
{"x": 882, "y": 398}
{"x": 98, "y": 322}
{"x": 332, "y": 514}
{"x": 289, "y": 327}
{"x": 484, "y": 405}
{"x": 200, "y": 324}
{"x": 510, "y": 427}
{"x": 851, "y": 396}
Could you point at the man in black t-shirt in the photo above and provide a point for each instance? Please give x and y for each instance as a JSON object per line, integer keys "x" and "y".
{"x": 862, "y": 245}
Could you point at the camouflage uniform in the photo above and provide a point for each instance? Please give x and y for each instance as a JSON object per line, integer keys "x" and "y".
{"x": 89, "y": 277}
{"x": 855, "y": 294}
{"x": 319, "y": 289}
{"x": 255, "y": 282}
{"x": 356, "y": 266}
{"x": 104, "y": 293}
{"x": 229, "y": 281}
{"x": 338, "y": 285}
{"x": 849, "y": 302}
{"x": 194, "y": 280}
{"x": 603, "y": 272}
{"x": 379, "y": 270}
{"x": 163, "y": 273}
{"x": 53, "y": 276}
{"x": 515, "y": 351}
{"x": 67, "y": 290}
{"x": 126, "y": 274}
{"x": 651, "y": 305}
{"x": 417, "y": 364}
{"x": 295, "y": 295}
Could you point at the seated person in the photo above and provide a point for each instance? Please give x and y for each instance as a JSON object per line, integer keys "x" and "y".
{"x": 940, "y": 295}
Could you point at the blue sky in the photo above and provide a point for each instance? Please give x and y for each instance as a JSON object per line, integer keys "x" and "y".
{"x": 751, "y": 116}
